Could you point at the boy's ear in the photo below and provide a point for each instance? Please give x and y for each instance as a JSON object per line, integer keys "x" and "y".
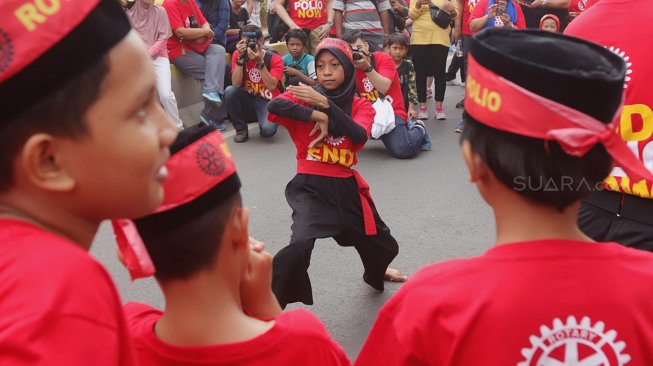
{"x": 477, "y": 168}
{"x": 41, "y": 161}
{"x": 239, "y": 226}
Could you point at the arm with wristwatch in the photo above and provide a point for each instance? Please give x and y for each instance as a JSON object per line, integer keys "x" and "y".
{"x": 552, "y": 4}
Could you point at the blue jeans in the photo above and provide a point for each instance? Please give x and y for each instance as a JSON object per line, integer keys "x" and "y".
{"x": 403, "y": 141}
{"x": 239, "y": 105}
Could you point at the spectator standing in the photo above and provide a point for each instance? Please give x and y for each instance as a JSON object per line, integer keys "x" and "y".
{"x": 463, "y": 32}
{"x": 397, "y": 47}
{"x": 152, "y": 25}
{"x": 377, "y": 78}
{"x": 256, "y": 75}
{"x": 315, "y": 17}
{"x": 220, "y": 309}
{"x": 254, "y": 11}
{"x": 534, "y": 11}
{"x": 429, "y": 45}
{"x": 89, "y": 143}
{"x": 545, "y": 294}
{"x": 486, "y": 15}
{"x": 238, "y": 18}
{"x": 624, "y": 211}
{"x": 370, "y": 17}
{"x": 193, "y": 52}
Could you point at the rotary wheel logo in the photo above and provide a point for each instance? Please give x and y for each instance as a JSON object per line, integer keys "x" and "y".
{"x": 575, "y": 344}
{"x": 335, "y": 141}
{"x": 617, "y": 51}
{"x": 367, "y": 85}
{"x": 209, "y": 160}
{"x": 6, "y": 50}
{"x": 254, "y": 75}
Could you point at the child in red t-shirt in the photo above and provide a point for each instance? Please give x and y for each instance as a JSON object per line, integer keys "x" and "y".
{"x": 328, "y": 198}
{"x": 220, "y": 309}
{"x": 88, "y": 143}
{"x": 545, "y": 294}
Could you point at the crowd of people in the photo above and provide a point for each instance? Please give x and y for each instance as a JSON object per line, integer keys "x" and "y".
{"x": 567, "y": 282}
{"x": 201, "y": 32}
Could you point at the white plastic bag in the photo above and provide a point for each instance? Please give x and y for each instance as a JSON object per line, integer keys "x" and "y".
{"x": 384, "y": 120}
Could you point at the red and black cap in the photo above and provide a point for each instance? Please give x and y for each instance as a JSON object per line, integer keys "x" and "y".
{"x": 44, "y": 44}
{"x": 551, "y": 87}
{"x": 201, "y": 174}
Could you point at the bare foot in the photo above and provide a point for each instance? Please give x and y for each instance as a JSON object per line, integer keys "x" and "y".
{"x": 394, "y": 275}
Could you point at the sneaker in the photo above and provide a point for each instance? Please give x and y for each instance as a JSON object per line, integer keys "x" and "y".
{"x": 205, "y": 120}
{"x": 220, "y": 126}
{"x": 213, "y": 97}
{"x": 439, "y": 113}
{"x": 423, "y": 114}
{"x": 241, "y": 136}
{"x": 459, "y": 127}
{"x": 426, "y": 145}
{"x": 429, "y": 93}
{"x": 461, "y": 104}
{"x": 455, "y": 82}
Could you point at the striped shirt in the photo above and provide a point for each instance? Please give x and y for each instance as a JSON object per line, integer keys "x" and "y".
{"x": 362, "y": 15}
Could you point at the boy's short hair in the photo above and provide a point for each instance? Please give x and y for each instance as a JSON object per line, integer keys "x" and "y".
{"x": 352, "y": 36}
{"x": 185, "y": 238}
{"x": 537, "y": 169}
{"x": 296, "y": 33}
{"x": 399, "y": 39}
{"x": 62, "y": 113}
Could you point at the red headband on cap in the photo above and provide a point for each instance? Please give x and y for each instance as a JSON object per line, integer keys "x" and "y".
{"x": 30, "y": 28}
{"x": 336, "y": 43}
{"x": 491, "y": 100}
{"x": 193, "y": 171}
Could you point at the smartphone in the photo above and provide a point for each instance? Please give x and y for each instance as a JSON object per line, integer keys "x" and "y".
{"x": 501, "y": 8}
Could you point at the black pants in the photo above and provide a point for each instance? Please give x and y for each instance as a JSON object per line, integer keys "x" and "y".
{"x": 457, "y": 63}
{"x": 604, "y": 225}
{"x": 430, "y": 60}
{"x": 326, "y": 207}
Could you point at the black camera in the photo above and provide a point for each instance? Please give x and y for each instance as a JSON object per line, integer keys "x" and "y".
{"x": 192, "y": 22}
{"x": 251, "y": 44}
{"x": 358, "y": 54}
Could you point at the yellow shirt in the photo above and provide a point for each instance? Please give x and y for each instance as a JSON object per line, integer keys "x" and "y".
{"x": 424, "y": 30}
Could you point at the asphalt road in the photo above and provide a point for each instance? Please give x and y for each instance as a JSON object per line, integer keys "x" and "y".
{"x": 432, "y": 210}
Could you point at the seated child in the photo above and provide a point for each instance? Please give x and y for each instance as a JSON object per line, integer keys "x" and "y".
{"x": 550, "y": 23}
{"x": 397, "y": 47}
{"x": 88, "y": 144}
{"x": 220, "y": 309}
{"x": 545, "y": 294}
{"x": 299, "y": 66}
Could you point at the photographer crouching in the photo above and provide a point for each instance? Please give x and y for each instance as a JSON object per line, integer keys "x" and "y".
{"x": 377, "y": 79}
{"x": 255, "y": 77}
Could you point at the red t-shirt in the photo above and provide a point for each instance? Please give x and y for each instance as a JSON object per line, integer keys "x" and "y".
{"x": 308, "y": 14}
{"x": 336, "y": 151}
{"x": 481, "y": 8}
{"x": 604, "y": 23}
{"x": 385, "y": 66}
{"x": 549, "y": 302}
{"x": 297, "y": 338}
{"x": 178, "y": 15}
{"x": 58, "y": 306}
{"x": 467, "y": 13}
{"x": 252, "y": 80}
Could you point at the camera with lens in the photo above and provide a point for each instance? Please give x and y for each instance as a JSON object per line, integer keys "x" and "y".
{"x": 192, "y": 22}
{"x": 358, "y": 54}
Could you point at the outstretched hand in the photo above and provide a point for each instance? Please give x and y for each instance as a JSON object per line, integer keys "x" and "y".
{"x": 308, "y": 94}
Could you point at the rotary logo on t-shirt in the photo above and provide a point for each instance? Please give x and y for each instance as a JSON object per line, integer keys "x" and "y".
{"x": 254, "y": 84}
{"x": 575, "y": 343}
{"x": 333, "y": 150}
{"x": 370, "y": 91}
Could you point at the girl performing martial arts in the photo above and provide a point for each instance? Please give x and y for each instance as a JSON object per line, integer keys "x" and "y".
{"x": 328, "y": 198}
